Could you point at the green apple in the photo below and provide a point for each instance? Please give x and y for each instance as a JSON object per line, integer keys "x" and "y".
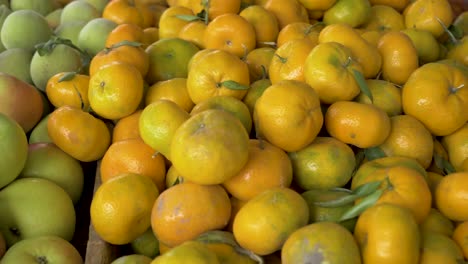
{"x": 61, "y": 58}
{"x": 93, "y": 35}
{"x": 40, "y": 134}
{"x": 21, "y": 101}
{"x": 13, "y": 149}
{"x": 42, "y": 250}
{"x": 146, "y": 244}
{"x": 43, "y": 7}
{"x": 32, "y": 207}
{"x": 78, "y": 10}
{"x": 132, "y": 259}
{"x": 2, "y": 246}
{"x": 98, "y": 4}
{"x": 70, "y": 30}
{"x": 4, "y": 12}
{"x": 53, "y": 18}
{"x": 24, "y": 29}
{"x": 47, "y": 161}
{"x": 19, "y": 69}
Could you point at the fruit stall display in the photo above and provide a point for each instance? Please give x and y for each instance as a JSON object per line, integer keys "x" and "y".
{"x": 233, "y": 131}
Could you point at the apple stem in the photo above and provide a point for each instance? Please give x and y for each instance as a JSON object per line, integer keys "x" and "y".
{"x": 41, "y": 260}
{"x": 15, "y": 231}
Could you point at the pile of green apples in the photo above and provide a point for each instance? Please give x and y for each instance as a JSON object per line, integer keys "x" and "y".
{"x": 40, "y": 185}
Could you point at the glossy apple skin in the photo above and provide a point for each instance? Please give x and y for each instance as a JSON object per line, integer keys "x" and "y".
{"x": 20, "y": 101}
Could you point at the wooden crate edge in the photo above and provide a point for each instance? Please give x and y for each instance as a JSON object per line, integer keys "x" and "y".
{"x": 97, "y": 250}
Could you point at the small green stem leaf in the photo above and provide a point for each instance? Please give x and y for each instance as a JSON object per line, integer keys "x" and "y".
{"x": 443, "y": 164}
{"x": 365, "y": 203}
{"x": 339, "y": 189}
{"x": 342, "y": 201}
{"x": 374, "y": 153}
{"x": 367, "y": 188}
{"x": 233, "y": 85}
{"x": 126, "y": 43}
{"x": 457, "y": 31}
{"x": 282, "y": 59}
{"x": 453, "y": 39}
{"x": 189, "y": 18}
{"x": 67, "y": 77}
{"x": 362, "y": 84}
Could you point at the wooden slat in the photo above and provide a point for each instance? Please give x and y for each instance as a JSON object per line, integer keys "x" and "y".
{"x": 97, "y": 250}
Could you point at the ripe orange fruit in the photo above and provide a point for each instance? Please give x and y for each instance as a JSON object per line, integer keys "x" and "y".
{"x": 364, "y": 53}
{"x": 267, "y": 167}
{"x": 127, "y": 31}
{"x": 439, "y": 10}
{"x": 217, "y": 72}
{"x": 388, "y": 233}
{"x": 78, "y": 133}
{"x": 460, "y": 236}
{"x": 261, "y": 225}
{"x": 286, "y": 11}
{"x": 410, "y": 138}
{"x": 402, "y": 186}
{"x": 348, "y": 121}
{"x": 66, "y": 88}
{"x": 399, "y": 57}
{"x": 324, "y": 164}
{"x": 437, "y": 95}
{"x": 210, "y": 147}
{"x": 437, "y": 222}
{"x": 288, "y": 60}
{"x": 174, "y": 89}
{"x": 439, "y": 248}
{"x": 385, "y": 95}
{"x": 232, "y": 33}
{"x": 258, "y": 61}
{"x": 216, "y": 8}
{"x": 128, "y": 11}
{"x": 450, "y": 193}
{"x": 170, "y": 24}
{"x": 194, "y": 32}
{"x": 186, "y": 210}
{"x": 115, "y": 90}
{"x": 121, "y": 208}
{"x": 158, "y": 123}
{"x": 133, "y": 156}
{"x": 127, "y": 127}
{"x": 457, "y": 148}
{"x": 329, "y": 69}
{"x": 131, "y": 53}
{"x": 229, "y": 104}
{"x": 325, "y": 241}
{"x": 371, "y": 166}
{"x": 264, "y": 23}
{"x": 299, "y": 30}
{"x": 288, "y": 108}
{"x": 398, "y": 5}
{"x": 384, "y": 18}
